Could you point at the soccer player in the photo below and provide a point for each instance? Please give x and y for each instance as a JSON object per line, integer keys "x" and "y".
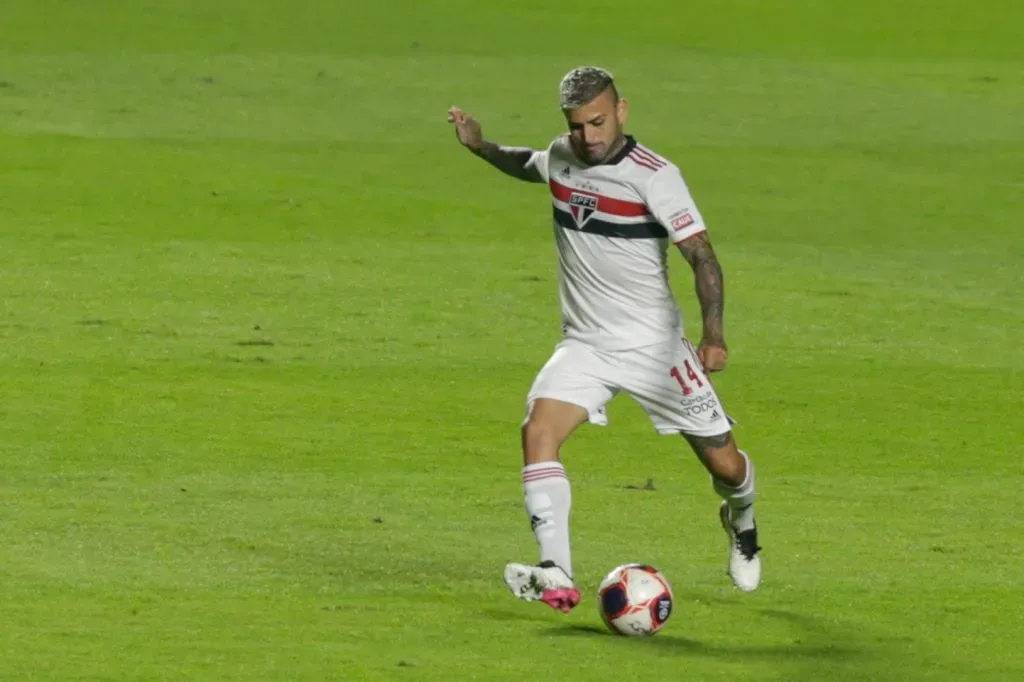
{"x": 617, "y": 205}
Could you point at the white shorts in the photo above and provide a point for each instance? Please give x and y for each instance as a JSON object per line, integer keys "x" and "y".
{"x": 667, "y": 380}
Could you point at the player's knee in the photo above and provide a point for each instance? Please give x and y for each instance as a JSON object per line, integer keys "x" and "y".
{"x": 539, "y": 436}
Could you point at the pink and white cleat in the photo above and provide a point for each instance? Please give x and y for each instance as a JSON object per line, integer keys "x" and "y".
{"x": 546, "y": 582}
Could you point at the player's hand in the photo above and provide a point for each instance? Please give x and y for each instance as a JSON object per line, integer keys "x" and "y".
{"x": 467, "y": 129}
{"x": 713, "y": 356}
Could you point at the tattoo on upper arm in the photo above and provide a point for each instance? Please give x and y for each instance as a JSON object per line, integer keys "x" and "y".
{"x": 709, "y": 282}
{"x": 511, "y": 161}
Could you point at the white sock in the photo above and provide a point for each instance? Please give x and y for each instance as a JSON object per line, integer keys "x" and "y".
{"x": 740, "y": 499}
{"x": 548, "y": 499}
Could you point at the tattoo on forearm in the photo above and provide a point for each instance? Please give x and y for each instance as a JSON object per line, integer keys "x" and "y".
{"x": 510, "y": 160}
{"x": 711, "y": 293}
{"x": 710, "y": 284}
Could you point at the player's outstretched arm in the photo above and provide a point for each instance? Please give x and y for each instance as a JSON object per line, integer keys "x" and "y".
{"x": 509, "y": 160}
{"x": 711, "y": 293}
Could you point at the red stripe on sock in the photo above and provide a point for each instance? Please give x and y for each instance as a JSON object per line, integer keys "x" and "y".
{"x": 527, "y": 478}
{"x": 533, "y": 468}
{"x": 545, "y": 472}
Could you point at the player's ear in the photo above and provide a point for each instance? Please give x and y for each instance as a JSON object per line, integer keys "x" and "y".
{"x": 622, "y": 111}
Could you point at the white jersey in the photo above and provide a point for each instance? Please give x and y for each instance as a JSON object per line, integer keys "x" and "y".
{"x": 613, "y": 223}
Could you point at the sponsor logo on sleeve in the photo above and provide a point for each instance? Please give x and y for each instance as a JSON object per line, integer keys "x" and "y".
{"x": 681, "y": 220}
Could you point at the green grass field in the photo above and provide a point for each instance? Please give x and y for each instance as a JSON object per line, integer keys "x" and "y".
{"x": 267, "y": 331}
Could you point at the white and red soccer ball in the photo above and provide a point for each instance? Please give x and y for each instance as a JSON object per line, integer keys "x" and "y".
{"x": 635, "y": 599}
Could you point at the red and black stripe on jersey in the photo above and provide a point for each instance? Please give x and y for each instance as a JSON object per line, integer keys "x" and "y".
{"x": 646, "y": 230}
{"x": 611, "y": 207}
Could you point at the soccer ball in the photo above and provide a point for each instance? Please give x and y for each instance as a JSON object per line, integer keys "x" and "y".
{"x": 635, "y": 599}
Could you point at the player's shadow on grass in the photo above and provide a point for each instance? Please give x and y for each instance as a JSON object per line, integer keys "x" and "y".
{"x": 598, "y": 631}
{"x": 816, "y": 648}
{"x": 526, "y": 615}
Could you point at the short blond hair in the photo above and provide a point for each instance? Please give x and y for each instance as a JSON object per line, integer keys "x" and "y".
{"x": 583, "y": 84}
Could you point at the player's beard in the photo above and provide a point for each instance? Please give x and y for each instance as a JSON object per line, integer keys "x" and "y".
{"x": 603, "y": 152}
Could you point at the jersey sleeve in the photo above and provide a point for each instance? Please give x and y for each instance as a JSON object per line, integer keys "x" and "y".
{"x": 669, "y": 201}
{"x": 539, "y": 160}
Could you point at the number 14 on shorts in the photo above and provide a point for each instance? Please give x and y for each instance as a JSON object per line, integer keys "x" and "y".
{"x": 691, "y": 381}
{"x": 692, "y": 378}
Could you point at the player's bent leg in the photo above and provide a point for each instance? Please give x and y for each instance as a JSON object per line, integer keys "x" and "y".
{"x": 719, "y": 455}
{"x": 670, "y": 383}
{"x": 548, "y": 424}
{"x": 548, "y": 499}
{"x": 568, "y": 390}
{"x": 732, "y": 475}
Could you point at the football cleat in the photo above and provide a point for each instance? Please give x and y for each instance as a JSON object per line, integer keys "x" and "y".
{"x": 744, "y": 562}
{"x": 545, "y": 582}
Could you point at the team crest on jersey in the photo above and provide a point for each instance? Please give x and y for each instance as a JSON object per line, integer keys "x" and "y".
{"x": 582, "y": 207}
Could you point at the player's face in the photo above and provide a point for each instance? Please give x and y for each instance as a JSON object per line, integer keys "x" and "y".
{"x": 596, "y": 128}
